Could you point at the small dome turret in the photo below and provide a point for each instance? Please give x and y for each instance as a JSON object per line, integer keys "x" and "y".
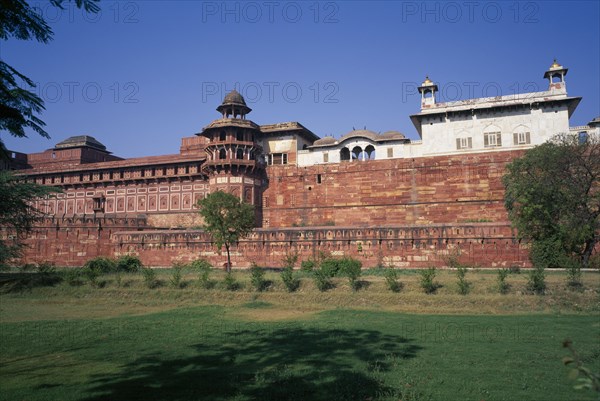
{"x": 234, "y": 105}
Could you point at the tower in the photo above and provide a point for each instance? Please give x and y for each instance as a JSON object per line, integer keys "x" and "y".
{"x": 234, "y": 156}
{"x": 556, "y": 77}
{"x": 427, "y": 91}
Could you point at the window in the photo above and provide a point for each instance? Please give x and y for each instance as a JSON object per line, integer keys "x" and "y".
{"x": 464, "y": 143}
{"x": 492, "y": 139}
{"x": 222, "y": 136}
{"x": 390, "y": 152}
{"x": 318, "y": 178}
{"x": 222, "y": 154}
{"x": 583, "y": 137}
{"x": 239, "y": 135}
{"x": 521, "y": 138}
{"x": 239, "y": 154}
{"x": 277, "y": 158}
{"x": 325, "y": 157}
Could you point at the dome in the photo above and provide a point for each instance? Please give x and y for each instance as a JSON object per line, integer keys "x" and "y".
{"x": 234, "y": 97}
{"x": 555, "y": 66}
{"x": 427, "y": 82}
{"x": 391, "y": 135}
{"x": 234, "y": 105}
{"x": 328, "y": 140}
{"x": 360, "y": 133}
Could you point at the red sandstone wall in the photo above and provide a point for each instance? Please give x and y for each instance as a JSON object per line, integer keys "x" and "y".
{"x": 433, "y": 190}
{"x": 409, "y": 213}
{"x": 482, "y": 244}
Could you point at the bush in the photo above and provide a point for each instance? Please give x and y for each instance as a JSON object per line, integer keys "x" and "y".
{"x": 463, "y": 285}
{"x": 428, "y": 284}
{"x": 503, "y": 286}
{"x": 230, "y": 283}
{"x": 257, "y": 277}
{"x": 73, "y": 276}
{"x": 514, "y": 269}
{"x": 574, "y": 275}
{"x": 101, "y": 265}
{"x": 330, "y": 266}
{"x": 287, "y": 276}
{"x": 176, "y": 275}
{"x": 92, "y": 276}
{"x": 391, "y": 280}
{"x": 46, "y": 268}
{"x": 549, "y": 254}
{"x": 129, "y": 264}
{"x": 322, "y": 280}
{"x": 149, "y": 277}
{"x": 307, "y": 265}
{"x": 203, "y": 268}
{"x": 351, "y": 268}
{"x": 200, "y": 265}
{"x": 536, "y": 280}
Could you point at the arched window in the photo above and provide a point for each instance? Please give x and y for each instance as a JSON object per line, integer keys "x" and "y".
{"x": 222, "y": 154}
{"x": 344, "y": 154}
{"x": 222, "y": 136}
{"x": 356, "y": 151}
{"x": 239, "y": 135}
{"x": 239, "y": 154}
{"x": 370, "y": 152}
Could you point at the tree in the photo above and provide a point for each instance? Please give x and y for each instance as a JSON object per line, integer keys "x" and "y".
{"x": 17, "y": 213}
{"x": 553, "y": 199}
{"x": 227, "y": 219}
{"x": 19, "y": 110}
{"x": 19, "y": 106}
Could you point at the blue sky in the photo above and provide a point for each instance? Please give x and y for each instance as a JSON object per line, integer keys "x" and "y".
{"x": 143, "y": 74}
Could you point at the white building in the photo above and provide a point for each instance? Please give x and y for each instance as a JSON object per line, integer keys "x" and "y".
{"x": 475, "y": 125}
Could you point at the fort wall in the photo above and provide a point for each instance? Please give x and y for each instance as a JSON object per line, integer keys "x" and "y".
{"x": 72, "y": 242}
{"x": 377, "y": 193}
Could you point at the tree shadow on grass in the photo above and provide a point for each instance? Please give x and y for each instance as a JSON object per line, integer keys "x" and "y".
{"x": 282, "y": 364}
{"x": 18, "y": 282}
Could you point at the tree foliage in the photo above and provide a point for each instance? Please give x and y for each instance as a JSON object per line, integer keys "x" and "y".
{"x": 19, "y": 106}
{"x": 17, "y": 214}
{"x": 553, "y": 199}
{"x": 227, "y": 219}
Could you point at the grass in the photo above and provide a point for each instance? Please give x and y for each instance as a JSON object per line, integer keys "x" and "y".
{"x": 62, "y": 342}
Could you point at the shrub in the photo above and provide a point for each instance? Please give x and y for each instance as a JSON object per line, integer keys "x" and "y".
{"x": 73, "y": 276}
{"x": 330, "y": 266}
{"x": 101, "y": 265}
{"x": 200, "y": 265}
{"x": 428, "y": 284}
{"x": 536, "y": 280}
{"x": 351, "y": 268}
{"x": 203, "y": 268}
{"x": 129, "y": 264}
{"x": 92, "y": 276}
{"x": 118, "y": 278}
{"x": 574, "y": 275}
{"x": 463, "y": 285}
{"x": 322, "y": 280}
{"x": 176, "y": 275}
{"x": 230, "y": 283}
{"x": 503, "y": 286}
{"x": 149, "y": 277}
{"x": 257, "y": 277}
{"x": 287, "y": 276}
{"x": 307, "y": 265}
{"x": 46, "y": 268}
{"x": 391, "y": 280}
{"x": 514, "y": 269}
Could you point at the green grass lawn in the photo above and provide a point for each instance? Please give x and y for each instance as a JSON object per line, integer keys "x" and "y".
{"x": 83, "y": 343}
